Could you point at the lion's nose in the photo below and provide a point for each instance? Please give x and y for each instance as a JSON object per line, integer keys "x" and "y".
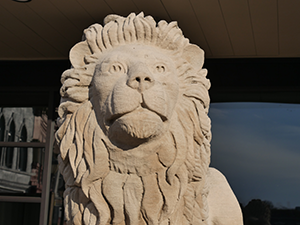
{"x": 140, "y": 78}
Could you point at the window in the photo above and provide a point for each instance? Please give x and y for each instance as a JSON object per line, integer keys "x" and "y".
{"x": 26, "y": 143}
{"x": 256, "y": 146}
{"x": 10, "y": 138}
{"x": 22, "y": 153}
{"x": 2, "y": 130}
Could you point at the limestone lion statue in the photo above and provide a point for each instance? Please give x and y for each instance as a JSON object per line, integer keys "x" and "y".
{"x": 134, "y": 132}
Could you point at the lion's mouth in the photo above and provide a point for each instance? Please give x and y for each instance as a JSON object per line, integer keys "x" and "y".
{"x": 109, "y": 121}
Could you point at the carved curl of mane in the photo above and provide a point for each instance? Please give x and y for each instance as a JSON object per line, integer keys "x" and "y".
{"x": 81, "y": 139}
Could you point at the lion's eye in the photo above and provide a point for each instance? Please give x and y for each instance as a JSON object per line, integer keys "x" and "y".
{"x": 160, "y": 68}
{"x": 116, "y": 68}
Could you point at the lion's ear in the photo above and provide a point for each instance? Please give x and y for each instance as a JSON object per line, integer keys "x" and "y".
{"x": 194, "y": 55}
{"x": 78, "y": 52}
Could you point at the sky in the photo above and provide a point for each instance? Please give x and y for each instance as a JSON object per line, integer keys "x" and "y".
{"x": 257, "y": 147}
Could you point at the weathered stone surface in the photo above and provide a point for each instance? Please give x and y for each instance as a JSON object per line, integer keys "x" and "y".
{"x": 135, "y": 135}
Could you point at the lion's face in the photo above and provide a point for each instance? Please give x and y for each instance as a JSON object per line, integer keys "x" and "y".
{"x": 134, "y": 91}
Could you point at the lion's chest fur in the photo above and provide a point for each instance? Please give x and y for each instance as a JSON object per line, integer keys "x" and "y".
{"x": 136, "y": 188}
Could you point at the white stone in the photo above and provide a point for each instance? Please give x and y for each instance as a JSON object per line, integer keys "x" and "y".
{"x": 135, "y": 136}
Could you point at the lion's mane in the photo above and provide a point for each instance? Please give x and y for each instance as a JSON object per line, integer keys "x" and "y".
{"x": 84, "y": 158}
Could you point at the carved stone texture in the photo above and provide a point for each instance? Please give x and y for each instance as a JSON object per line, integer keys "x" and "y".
{"x": 134, "y": 135}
